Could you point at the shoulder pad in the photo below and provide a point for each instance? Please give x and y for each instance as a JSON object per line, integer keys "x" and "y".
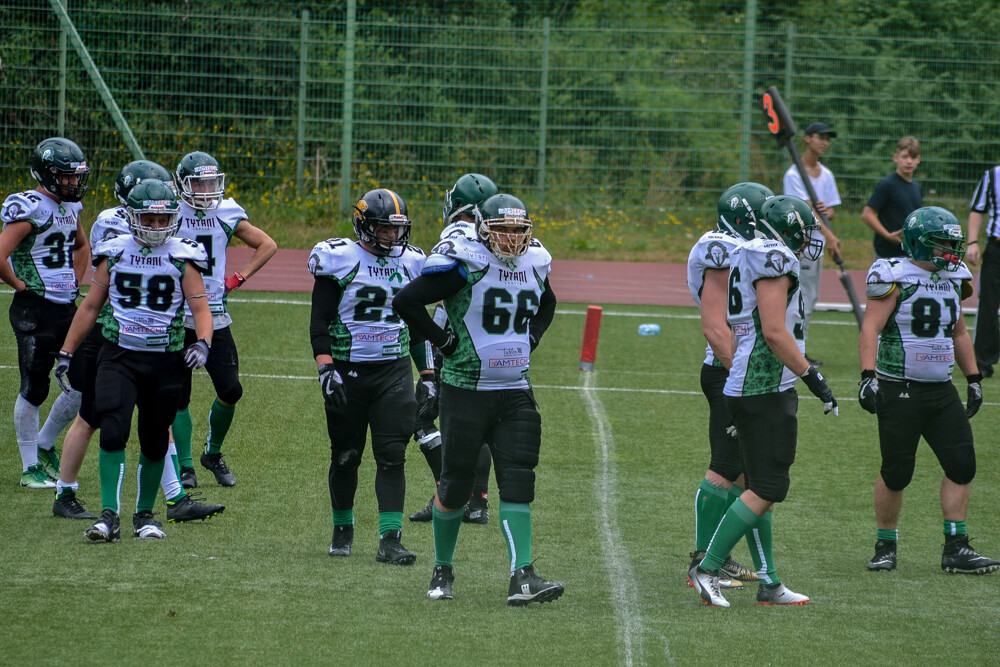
{"x": 20, "y": 207}
{"x": 463, "y": 250}
{"x": 961, "y": 273}
{"x": 463, "y": 228}
{"x": 439, "y": 264}
{"x": 111, "y": 247}
{"x": 540, "y": 258}
{"x": 714, "y": 249}
{"x": 333, "y": 257}
{"x": 414, "y": 249}
{"x": 769, "y": 259}
{"x": 229, "y": 212}
{"x": 966, "y": 290}
{"x": 881, "y": 279}
{"x": 110, "y": 222}
{"x": 183, "y": 249}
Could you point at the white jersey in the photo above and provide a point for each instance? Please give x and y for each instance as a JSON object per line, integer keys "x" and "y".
{"x": 916, "y": 343}
{"x": 459, "y": 227}
{"x": 490, "y": 315}
{"x": 111, "y": 222}
{"x": 44, "y": 258}
{"x": 711, "y": 252}
{"x": 366, "y": 327}
{"x": 756, "y": 369}
{"x": 213, "y": 229}
{"x": 145, "y": 291}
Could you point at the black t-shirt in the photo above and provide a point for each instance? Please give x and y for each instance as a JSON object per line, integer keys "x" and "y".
{"x": 893, "y": 199}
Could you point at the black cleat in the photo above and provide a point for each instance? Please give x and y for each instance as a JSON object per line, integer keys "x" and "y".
{"x": 343, "y": 538}
{"x": 106, "y": 529}
{"x": 188, "y": 479}
{"x": 217, "y": 465}
{"x": 390, "y": 550}
{"x": 68, "y": 507}
{"x": 526, "y": 587}
{"x": 884, "y": 559}
{"x": 426, "y": 514}
{"x": 959, "y": 558}
{"x": 187, "y": 508}
{"x": 441, "y": 582}
{"x": 477, "y": 511}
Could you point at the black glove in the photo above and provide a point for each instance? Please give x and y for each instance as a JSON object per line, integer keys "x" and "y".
{"x": 427, "y": 398}
{"x": 333, "y": 386}
{"x": 449, "y": 346}
{"x": 196, "y": 355}
{"x": 868, "y": 392}
{"x": 975, "y": 394}
{"x": 820, "y": 389}
{"x": 732, "y": 431}
{"x": 532, "y": 341}
{"x": 62, "y": 371}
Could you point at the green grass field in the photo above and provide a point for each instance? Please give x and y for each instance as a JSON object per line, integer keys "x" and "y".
{"x": 623, "y": 451}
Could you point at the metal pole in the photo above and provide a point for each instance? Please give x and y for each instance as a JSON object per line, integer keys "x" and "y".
{"x": 61, "y": 118}
{"x": 300, "y": 140}
{"x": 749, "y": 41}
{"x": 543, "y": 112}
{"x": 789, "y": 57}
{"x": 97, "y": 80}
{"x": 347, "y": 136}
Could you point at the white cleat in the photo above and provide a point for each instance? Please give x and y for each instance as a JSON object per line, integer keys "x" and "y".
{"x": 779, "y": 595}
{"x": 707, "y": 585}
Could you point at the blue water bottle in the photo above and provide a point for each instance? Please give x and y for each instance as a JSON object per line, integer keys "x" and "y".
{"x": 649, "y": 329}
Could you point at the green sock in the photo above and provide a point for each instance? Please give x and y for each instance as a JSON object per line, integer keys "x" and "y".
{"x": 892, "y": 535}
{"x": 111, "y": 470}
{"x": 954, "y": 527}
{"x": 515, "y": 522}
{"x": 446, "y": 525}
{"x": 760, "y": 541}
{"x": 735, "y": 523}
{"x": 220, "y": 418}
{"x": 389, "y": 521}
{"x": 343, "y": 517}
{"x": 182, "y": 427}
{"x": 710, "y": 503}
{"x": 150, "y": 473}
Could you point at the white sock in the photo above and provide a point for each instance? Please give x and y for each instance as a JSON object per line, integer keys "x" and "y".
{"x": 62, "y": 486}
{"x": 62, "y": 414}
{"x": 26, "y": 429}
{"x": 169, "y": 482}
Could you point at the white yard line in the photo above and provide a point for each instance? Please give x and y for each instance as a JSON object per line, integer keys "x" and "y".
{"x": 621, "y": 579}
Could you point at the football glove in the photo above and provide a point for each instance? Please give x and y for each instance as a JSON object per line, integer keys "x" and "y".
{"x": 62, "y": 371}
{"x": 868, "y": 391}
{"x": 196, "y": 355}
{"x": 427, "y": 398}
{"x": 820, "y": 389}
{"x": 975, "y": 394}
{"x": 333, "y": 386}
{"x": 234, "y": 281}
{"x": 449, "y": 346}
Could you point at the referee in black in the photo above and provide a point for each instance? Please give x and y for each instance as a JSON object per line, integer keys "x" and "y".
{"x": 986, "y": 201}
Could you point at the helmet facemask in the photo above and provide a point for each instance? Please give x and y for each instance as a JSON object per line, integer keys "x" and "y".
{"x": 507, "y": 237}
{"x": 368, "y": 232}
{"x": 204, "y": 189}
{"x": 141, "y": 222}
{"x": 951, "y": 249}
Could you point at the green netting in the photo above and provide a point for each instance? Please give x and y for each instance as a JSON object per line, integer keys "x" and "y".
{"x": 626, "y": 106}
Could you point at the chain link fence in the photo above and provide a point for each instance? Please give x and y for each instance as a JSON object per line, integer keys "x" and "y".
{"x": 639, "y": 109}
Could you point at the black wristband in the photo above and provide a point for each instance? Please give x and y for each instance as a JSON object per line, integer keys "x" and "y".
{"x": 968, "y": 243}
{"x": 865, "y": 374}
{"x": 975, "y": 377}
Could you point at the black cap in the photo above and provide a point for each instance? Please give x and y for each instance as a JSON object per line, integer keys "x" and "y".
{"x": 820, "y": 128}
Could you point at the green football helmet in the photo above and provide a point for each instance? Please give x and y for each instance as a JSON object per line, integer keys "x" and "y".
{"x": 468, "y": 191}
{"x": 790, "y": 220}
{"x": 150, "y": 202}
{"x": 739, "y": 207}
{"x": 58, "y": 156}
{"x": 503, "y": 226}
{"x": 199, "y": 181}
{"x": 933, "y": 234}
{"x": 134, "y": 173}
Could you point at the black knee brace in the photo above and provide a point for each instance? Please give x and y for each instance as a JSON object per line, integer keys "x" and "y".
{"x": 516, "y": 485}
{"x": 897, "y": 474}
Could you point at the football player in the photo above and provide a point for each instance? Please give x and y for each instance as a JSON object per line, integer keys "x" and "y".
{"x": 82, "y": 375}
{"x": 362, "y": 352}
{"x": 765, "y": 314}
{"x": 496, "y": 291}
{"x": 458, "y": 217}
{"x": 707, "y": 279}
{"x": 206, "y": 217}
{"x": 913, "y": 334}
{"x": 43, "y": 256}
{"x": 147, "y": 276}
